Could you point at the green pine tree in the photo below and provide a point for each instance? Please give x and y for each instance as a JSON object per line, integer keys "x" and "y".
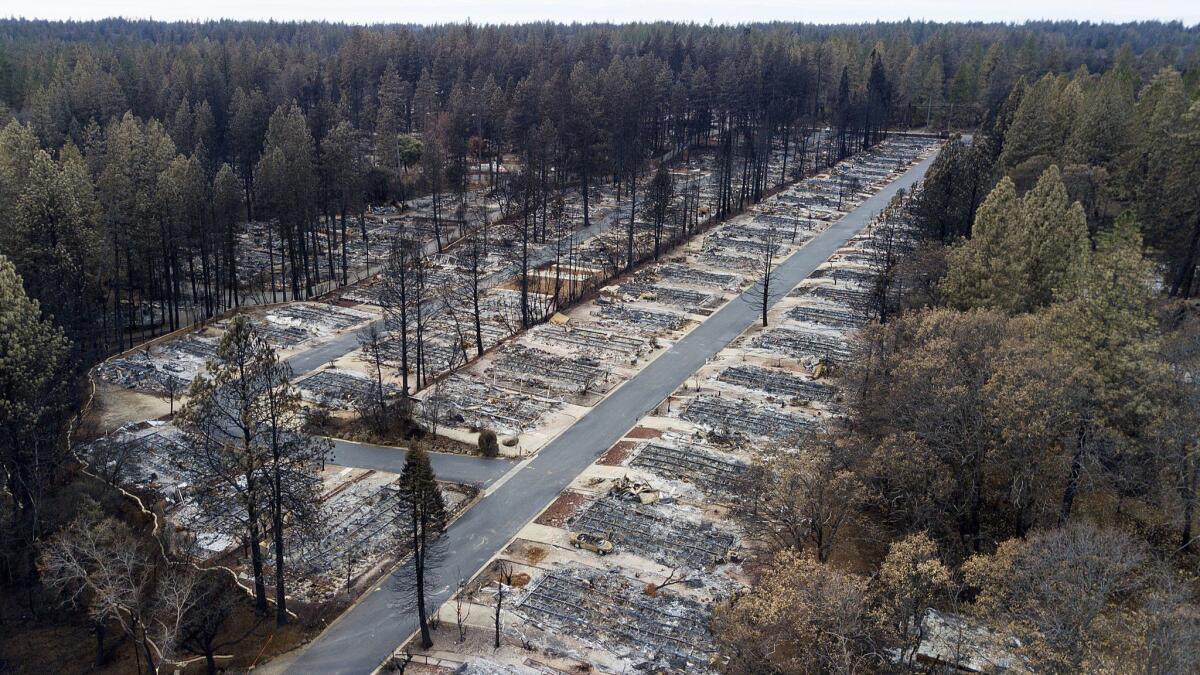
{"x": 1054, "y": 240}
{"x": 986, "y": 270}
{"x": 1104, "y": 317}
{"x": 35, "y": 405}
{"x": 1101, "y": 132}
{"x": 1022, "y": 249}
{"x": 422, "y": 518}
{"x": 1034, "y": 130}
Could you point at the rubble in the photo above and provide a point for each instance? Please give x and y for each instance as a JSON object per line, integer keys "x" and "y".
{"x": 468, "y": 403}
{"x": 799, "y": 344}
{"x": 317, "y": 316}
{"x": 688, "y": 300}
{"x": 855, "y": 275}
{"x": 643, "y": 320}
{"x": 635, "y": 490}
{"x": 716, "y": 258}
{"x": 342, "y": 390}
{"x": 645, "y": 531}
{"x": 293, "y": 324}
{"x": 592, "y": 341}
{"x": 140, "y": 370}
{"x": 543, "y": 370}
{"x": 726, "y": 244}
{"x": 140, "y": 457}
{"x": 777, "y": 383}
{"x": 832, "y": 316}
{"x": 854, "y": 297}
{"x": 167, "y": 368}
{"x": 435, "y": 356}
{"x": 199, "y": 348}
{"x": 360, "y": 530}
{"x": 683, "y": 274}
{"x": 855, "y": 258}
{"x": 666, "y": 632}
{"x": 713, "y": 472}
{"x": 730, "y": 416}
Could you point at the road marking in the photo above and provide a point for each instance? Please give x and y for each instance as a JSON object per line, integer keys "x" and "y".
{"x": 508, "y": 475}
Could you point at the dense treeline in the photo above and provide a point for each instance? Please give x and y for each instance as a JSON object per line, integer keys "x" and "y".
{"x": 82, "y": 558}
{"x": 141, "y": 148}
{"x": 1021, "y": 445}
{"x": 1119, "y": 142}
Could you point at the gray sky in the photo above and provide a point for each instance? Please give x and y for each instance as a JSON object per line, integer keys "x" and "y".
{"x": 701, "y": 11}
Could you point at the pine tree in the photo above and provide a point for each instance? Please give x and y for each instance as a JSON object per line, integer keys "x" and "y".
{"x": 1147, "y": 163}
{"x": 1182, "y": 239}
{"x": 287, "y": 186}
{"x": 53, "y": 237}
{"x": 342, "y": 157}
{"x": 1035, "y": 129}
{"x": 35, "y": 404}
{"x": 1064, "y": 114}
{"x": 1022, "y": 250}
{"x": 425, "y": 100}
{"x": 1054, "y": 240}
{"x": 986, "y": 270}
{"x": 247, "y": 124}
{"x": 1101, "y": 133}
{"x": 1104, "y": 317}
{"x": 244, "y": 459}
{"x": 227, "y": 211}
{"x": 18, "y": 146}
{"x": 422, "y": 517}
{"x": 659, "y": 194}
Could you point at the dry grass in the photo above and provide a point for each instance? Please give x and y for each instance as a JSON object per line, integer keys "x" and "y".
{"x": 536, "y": 554}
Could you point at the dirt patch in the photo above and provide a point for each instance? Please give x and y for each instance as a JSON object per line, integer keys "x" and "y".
{"x": 561, "y": 510}
{"x": 644, "y": 432}
{"x": 115, "y": 406}
{"x": 399, "y": 435}
{"x": 536, "y": 554}
{"x": 499, "y": 570}
{"x": 616, "y": 455}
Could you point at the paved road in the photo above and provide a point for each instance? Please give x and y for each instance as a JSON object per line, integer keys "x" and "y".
{"x": 368, "y": 632}
{"x": 477, "y": 471}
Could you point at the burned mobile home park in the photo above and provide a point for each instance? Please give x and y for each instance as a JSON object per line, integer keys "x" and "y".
{"x": 503, "y": 348}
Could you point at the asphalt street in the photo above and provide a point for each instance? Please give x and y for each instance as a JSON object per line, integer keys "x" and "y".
{"x": 366, "y": 634}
